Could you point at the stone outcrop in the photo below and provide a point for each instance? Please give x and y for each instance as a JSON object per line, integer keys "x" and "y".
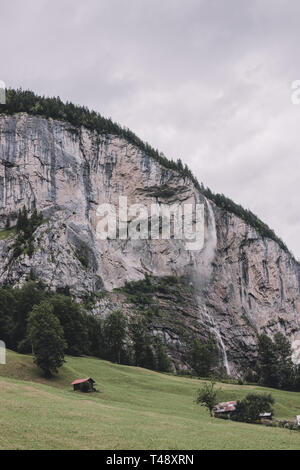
{"x": 243, "y": 284}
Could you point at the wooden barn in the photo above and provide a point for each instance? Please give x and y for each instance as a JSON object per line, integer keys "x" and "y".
{"x": 86, "y": 385}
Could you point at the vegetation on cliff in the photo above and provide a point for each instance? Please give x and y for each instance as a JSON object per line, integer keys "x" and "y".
{"x": 25, "y": 228}
{"x": 162, "y": 304}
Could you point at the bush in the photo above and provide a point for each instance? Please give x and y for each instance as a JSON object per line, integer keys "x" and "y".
{"x": 249, "y": 409}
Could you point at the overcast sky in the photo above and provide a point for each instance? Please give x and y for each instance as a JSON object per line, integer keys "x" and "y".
{"x": 208, "y": 81}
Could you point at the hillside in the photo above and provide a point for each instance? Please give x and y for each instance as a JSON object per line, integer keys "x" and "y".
{"x": 137, "y": 409}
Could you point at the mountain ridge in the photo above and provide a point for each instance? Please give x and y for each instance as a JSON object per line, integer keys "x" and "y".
{"x": 244, "y": 283}
{"x": 18, "y": 101}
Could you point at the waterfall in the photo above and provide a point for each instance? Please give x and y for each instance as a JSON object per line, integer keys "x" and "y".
{"x": 213, "y": 327}
{"x": 204, "y": 274}
{"x": 224, "y": 353}
{"x": 212, "y": 223}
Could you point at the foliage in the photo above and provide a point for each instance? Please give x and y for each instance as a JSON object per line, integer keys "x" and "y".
{"x": 274, "y": 366}
{"x": 47, "y": 338}
{"x": 254, "y": 404}
{"x": 202, "y": 356}
{"x": 250, "y": 376}
{"x": 114, "y": 330}
{"x": 148, "y": 350}
{"x": 145, "y": 294}
{"x": 162, "y": 360}
{"x": 25, "y": 299}
{"x": 207, "y": 396}
{"x": 26, "y": 226}
{"x": 73, "y": 322}
{"x": 83, "y": 333}
{"x": 26, "y": 101}
{"x": 141, "y": 293}
{"x": 143, "y": 355}
{"x": 96, "y": 346}
{"x": 7, "y": 304}
{"x": 80, "y": 329}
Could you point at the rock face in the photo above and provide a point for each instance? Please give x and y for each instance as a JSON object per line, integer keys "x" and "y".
{"x": 243, "y": 284}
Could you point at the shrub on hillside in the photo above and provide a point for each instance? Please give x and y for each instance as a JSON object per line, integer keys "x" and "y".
{"x": 249, "y": 409}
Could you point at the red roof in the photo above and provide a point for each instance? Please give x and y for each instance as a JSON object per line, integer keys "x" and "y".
{"x": 80, "y": 381}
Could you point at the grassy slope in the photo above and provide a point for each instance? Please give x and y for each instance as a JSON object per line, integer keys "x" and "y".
{"x": 137, "y": 409}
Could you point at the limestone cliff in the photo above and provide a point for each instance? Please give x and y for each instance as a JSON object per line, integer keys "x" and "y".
{"x": 243, "y": 284}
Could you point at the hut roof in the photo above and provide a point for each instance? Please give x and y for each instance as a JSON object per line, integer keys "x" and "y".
{"x": 80, "y": 381}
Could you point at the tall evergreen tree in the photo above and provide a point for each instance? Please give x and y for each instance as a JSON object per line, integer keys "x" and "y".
{"x": 114, "y": 334}
{"x": 284, "y": 361}
{"x": 267, "y": 361}
{"x": 274, "y": 366}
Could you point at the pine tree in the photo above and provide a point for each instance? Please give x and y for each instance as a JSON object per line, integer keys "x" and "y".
{"x": 162, "y": 360}
{"x": 284, "y": 361}
{"x": 114, "y": 334}
{"x": 22, "y": 221}
{"x": 275, "y": 367}
{"x": 73, "y": 322}
{"x": 267, "y": 362}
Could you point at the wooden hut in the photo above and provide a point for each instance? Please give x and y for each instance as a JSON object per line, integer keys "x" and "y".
{"x": 80, "y": 385}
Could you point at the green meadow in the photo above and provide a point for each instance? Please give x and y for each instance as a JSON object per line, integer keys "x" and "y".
{"x": 135, "y": 409}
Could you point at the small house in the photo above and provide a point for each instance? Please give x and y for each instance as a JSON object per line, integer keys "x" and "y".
{"x": 224, "y": 409}
{"x": 266, "y": 416}
{"x": 84, "y": 385}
